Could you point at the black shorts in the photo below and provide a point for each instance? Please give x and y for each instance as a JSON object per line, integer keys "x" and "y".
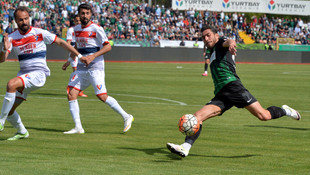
{"x": 233, "y": 94}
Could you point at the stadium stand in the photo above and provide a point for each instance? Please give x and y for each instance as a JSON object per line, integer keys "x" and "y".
{"x": 130, "y": 21}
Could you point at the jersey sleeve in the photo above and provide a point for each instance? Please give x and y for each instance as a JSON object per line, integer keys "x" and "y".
{"x": 70, "y": 34}
{"x": 48, "y": 37}
{"x": 102, "y": 36}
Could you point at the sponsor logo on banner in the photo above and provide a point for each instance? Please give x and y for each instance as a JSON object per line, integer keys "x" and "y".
{"x": 179, "y": 3}
{"x": 292, "y": 7}
{"x": 226, "y": 3}
{"x": 271, "y": 5}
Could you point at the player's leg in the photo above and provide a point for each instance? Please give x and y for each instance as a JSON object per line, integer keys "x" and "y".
{"x": 98, "y": 83}
{"x": 206, "y": 112}
{"x": 75, "y": 111}
{"x": 113, "y": 104}
{"x": 77, "y": 81}
{"x": 206, "y": 67}
{"x": 16, "y": 122}
{"x": 9, "y": 98}
{"x": 272, "y": 112}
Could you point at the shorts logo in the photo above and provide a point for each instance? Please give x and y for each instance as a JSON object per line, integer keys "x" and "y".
{"x": 73, "y": 77}
{"x": 27, "y": 76}
{"x": 99, "y": 86}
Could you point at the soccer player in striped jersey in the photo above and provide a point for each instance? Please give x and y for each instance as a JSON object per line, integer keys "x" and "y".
{"x": 29, "y": 44}
{"x": 91, "y": 42}
{"x": 229, "y": 91}
{"x": 71, "y": 40}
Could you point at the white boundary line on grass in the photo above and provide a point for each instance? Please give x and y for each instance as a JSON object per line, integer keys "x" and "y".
{"x": 138, "y": 96}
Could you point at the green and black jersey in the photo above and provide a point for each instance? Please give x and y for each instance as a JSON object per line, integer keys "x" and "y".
{"x": 223, "y": 67}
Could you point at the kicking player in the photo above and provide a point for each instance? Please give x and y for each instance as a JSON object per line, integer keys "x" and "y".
{"x": 29, "y": 44}
{"x": 229, "y": 90}
{"x": 71, "y": 40}
{"x": 92, "y": 42}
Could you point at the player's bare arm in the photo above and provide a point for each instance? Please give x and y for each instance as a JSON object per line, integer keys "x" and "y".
{"x": 231, "y": 44}
{"x": 67, "y": 46}
{"x": 105, "y": 49}
{"x": 6, "y": 45}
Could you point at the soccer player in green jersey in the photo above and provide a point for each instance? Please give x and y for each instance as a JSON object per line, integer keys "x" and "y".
{"x": 229, "y": 90}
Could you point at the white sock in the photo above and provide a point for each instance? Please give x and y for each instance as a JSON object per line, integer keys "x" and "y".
{"x": 75, "y": 113}
{"x": 206, "y": 72}
{"x": 8, "y": 102}
{"x": 187, "y": 146}
{"x": 116, "y": 107}
{"x": 17, "y": 123}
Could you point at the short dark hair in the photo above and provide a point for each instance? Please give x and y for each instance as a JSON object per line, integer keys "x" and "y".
{"x": 21, "y": 8}
{"x": 85, "y": 6}
{"x": 206, "y": 27}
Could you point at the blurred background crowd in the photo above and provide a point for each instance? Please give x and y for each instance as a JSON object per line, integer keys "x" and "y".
{"x": 133, "y": 20}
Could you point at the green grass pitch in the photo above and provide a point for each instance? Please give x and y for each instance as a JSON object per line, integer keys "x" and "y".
{"x": 157, "y": 95}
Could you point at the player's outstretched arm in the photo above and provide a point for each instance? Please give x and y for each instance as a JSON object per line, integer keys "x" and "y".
{"x": 231, "y": 44}
{"x": 67, "y": 46}
{"x": 4, "y": 51}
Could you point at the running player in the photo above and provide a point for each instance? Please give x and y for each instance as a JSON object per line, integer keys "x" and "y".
{"x": 29, "y": 44}
{"x": 71, "y": 40}
{"x": 92, "y": 42}
{"x": 229, "y": 90}
{"x": 206, "y": 54}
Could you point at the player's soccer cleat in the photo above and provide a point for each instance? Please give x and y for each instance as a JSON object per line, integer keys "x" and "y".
{"x": 177, "y": 149}
{"x": 204, "y": 74}
{"x": 81, "y": 94}
{"x": 75, "y": 131}
{"x": 1, "y": 127}
{"x": 294, "y": 114}
{"x": 19, "y": 136}
{"x": 127, "y": 123}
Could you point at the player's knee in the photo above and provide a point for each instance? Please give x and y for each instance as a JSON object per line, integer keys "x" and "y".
{"x": 12, "y": 86}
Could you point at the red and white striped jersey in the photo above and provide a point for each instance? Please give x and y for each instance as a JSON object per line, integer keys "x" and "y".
{"x": 89, "y": 40}
{"x": 31, "y": 49}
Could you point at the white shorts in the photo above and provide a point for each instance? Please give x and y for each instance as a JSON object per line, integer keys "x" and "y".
{"x": 31, "y": 81}
{"x": 80, "y": 80}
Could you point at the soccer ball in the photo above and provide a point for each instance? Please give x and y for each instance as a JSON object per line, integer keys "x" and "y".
{"x": 188, "y": 125}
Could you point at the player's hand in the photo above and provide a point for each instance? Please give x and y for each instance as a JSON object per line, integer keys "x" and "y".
{"x": 64, "y": 67}
{"x": 88, "y": 59}
{"x": 84, "y": 60}
{"x": 232, "y": 47}
{"x": 6, "y": 42}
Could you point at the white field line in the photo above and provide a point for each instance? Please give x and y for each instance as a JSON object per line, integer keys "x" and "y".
{"x": 171, "y": 102}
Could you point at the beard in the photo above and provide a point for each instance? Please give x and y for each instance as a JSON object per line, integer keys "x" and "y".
{"x": 24, "y": 28}
{"x": 85, "y": 21}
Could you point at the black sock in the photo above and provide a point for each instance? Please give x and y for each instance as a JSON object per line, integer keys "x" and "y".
{"x": 191, "y": 139}
{"x": 276, "y": 112}
{"x": 206, "y": 67}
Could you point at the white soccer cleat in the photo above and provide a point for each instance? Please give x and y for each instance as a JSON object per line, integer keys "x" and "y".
{"x": 127, "y": 123}
{"x": 177, "y": 149}
{"x": 294, "y": 114}
{"x": 75, "y": 131}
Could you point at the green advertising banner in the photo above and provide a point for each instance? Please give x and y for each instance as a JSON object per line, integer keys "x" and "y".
{"x": 289, "y": 47}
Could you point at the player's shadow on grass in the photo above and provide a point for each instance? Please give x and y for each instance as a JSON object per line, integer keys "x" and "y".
{"x": 165, "y": 151}
{"x": 34, "y": 94}
{"x": 280, "y": 127}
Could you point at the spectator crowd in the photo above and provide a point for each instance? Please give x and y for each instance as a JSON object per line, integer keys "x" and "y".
{"x": 138, "y": 21}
